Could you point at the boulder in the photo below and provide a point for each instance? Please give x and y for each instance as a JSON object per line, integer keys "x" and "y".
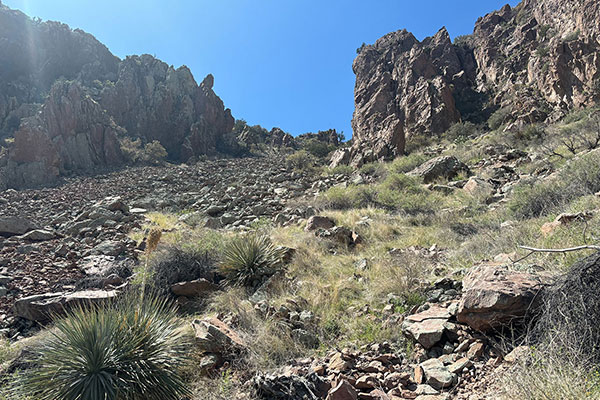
{"x": 215, "y": 336}
{"x": 478, "y": 187}
{"x": 437, "y": 375}
{"x": 447, "y": 167}
{"x": 427, "y": 327}
{"x": 287, "y": 387}
{"x": 38, "y": 235}
{"x": 319, "y": 222}
{"x": 10, "y": 226}
{"x": 343, "y": 391}
{"x": 43, "y": 307}
{"x": 494, "y": 296}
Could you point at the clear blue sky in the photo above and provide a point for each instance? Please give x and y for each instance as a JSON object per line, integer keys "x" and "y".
{"x": 285, "y": 63}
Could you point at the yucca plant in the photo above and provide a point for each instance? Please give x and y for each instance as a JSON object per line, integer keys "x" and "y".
{"x": 122, "y": 351}
{"x": 249, "y": 260}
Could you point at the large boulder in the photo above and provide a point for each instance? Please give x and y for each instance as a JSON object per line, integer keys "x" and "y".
{"x": 446, "y": 167}
{"x": 494, "y": 297}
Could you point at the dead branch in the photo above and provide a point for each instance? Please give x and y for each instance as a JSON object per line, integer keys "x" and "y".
{"x": 568, "y": 249}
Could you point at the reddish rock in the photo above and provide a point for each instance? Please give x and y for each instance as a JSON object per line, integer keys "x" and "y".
{"x": 494, "y": 296}
{"x": 343, "y": 391}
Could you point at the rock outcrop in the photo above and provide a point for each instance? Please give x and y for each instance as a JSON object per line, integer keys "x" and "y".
{"x": 70, "y": 133}
{"x": 531, "y": 63}
{"x": 154, "y": 101}
{"x": 66, "y": 101}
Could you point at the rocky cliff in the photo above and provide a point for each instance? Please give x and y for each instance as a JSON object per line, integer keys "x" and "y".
{"x": 533, "y": 63}
{"x": 65, "y": 101}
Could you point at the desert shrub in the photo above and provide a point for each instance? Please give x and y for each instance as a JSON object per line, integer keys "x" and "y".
{"x": 249, "y": 260}
{"x": 154, "y": 152}
{"x": 529, "y": 133}
{"x": 569, "y": 316}
{"x": 300, "y": 160}
{"x": 340, "y": 169}
{"x": 461, "y": 131}
{"x": 376, "y": 169}
{"x": 542, "y": 51}
{"x": 317, "y": 148}
{"x": 131, "y": 149}
{"x": 571, "y": 36}
{"x": 128, "y": 350}
{"x": 498, "y": 118}
{"x": 407, "y": 163}
{"x": 176, "y": 264}
{"x": 579, "y": 178}
{"x": 464, "y": 41}
{"x": 134, "y": 152}
{"x": 563, "y": 362}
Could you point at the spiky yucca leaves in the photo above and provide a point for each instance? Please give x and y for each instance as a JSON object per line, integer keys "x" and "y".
{"x": 249, "y": 260}
{"x": 122, "y": 351}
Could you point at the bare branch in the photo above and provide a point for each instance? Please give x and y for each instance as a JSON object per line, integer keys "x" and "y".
{"x": 577, "y": 248}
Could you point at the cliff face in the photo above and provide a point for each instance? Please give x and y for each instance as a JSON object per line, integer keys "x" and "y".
{"x": 70, "y": 133}
{"x": 55, "y": 127}
{"x": 536, "y": 61}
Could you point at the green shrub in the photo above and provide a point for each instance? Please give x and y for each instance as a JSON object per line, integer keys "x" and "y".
{"x": 542, "y": 51}
{"x": 376, "y": 169}
{"x": 249, "y": 260}
{"x": 498, "y": 118}
{"x": 572, "y": 36}
{"x": 300, "y": 160}
{"x": 579, "y": 178}
{"x": 154, "y": 152}
{"x": 344, "y": 198}
{"x": 126, "y": 350}
{"x": 407, "y": 163}
{"x": 317, "y": 148}
{"x": 461, "y": 131}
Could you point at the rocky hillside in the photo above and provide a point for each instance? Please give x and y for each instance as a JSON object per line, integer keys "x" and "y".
{"x": 66, "y": 101}
{"x": 531, "y": 63}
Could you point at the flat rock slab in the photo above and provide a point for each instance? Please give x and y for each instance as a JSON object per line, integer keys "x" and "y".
{"x": 43, "y": 307}
{"x": 437, "y": 375}
{"x": 10, "y": 226}
{"x": 427, "y": 327}
{"x": 215, "y": 336}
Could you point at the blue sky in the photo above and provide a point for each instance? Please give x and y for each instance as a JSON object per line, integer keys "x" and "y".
{"x": 285, "y": 63}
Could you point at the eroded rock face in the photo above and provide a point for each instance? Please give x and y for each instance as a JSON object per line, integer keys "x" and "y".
{"x": 157, "y": 102}
{"x": 70, "y": 133}
{"x": 76, "y": 127}
{"x": 402, "y": 90}
{"x": 535, "y": 62}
